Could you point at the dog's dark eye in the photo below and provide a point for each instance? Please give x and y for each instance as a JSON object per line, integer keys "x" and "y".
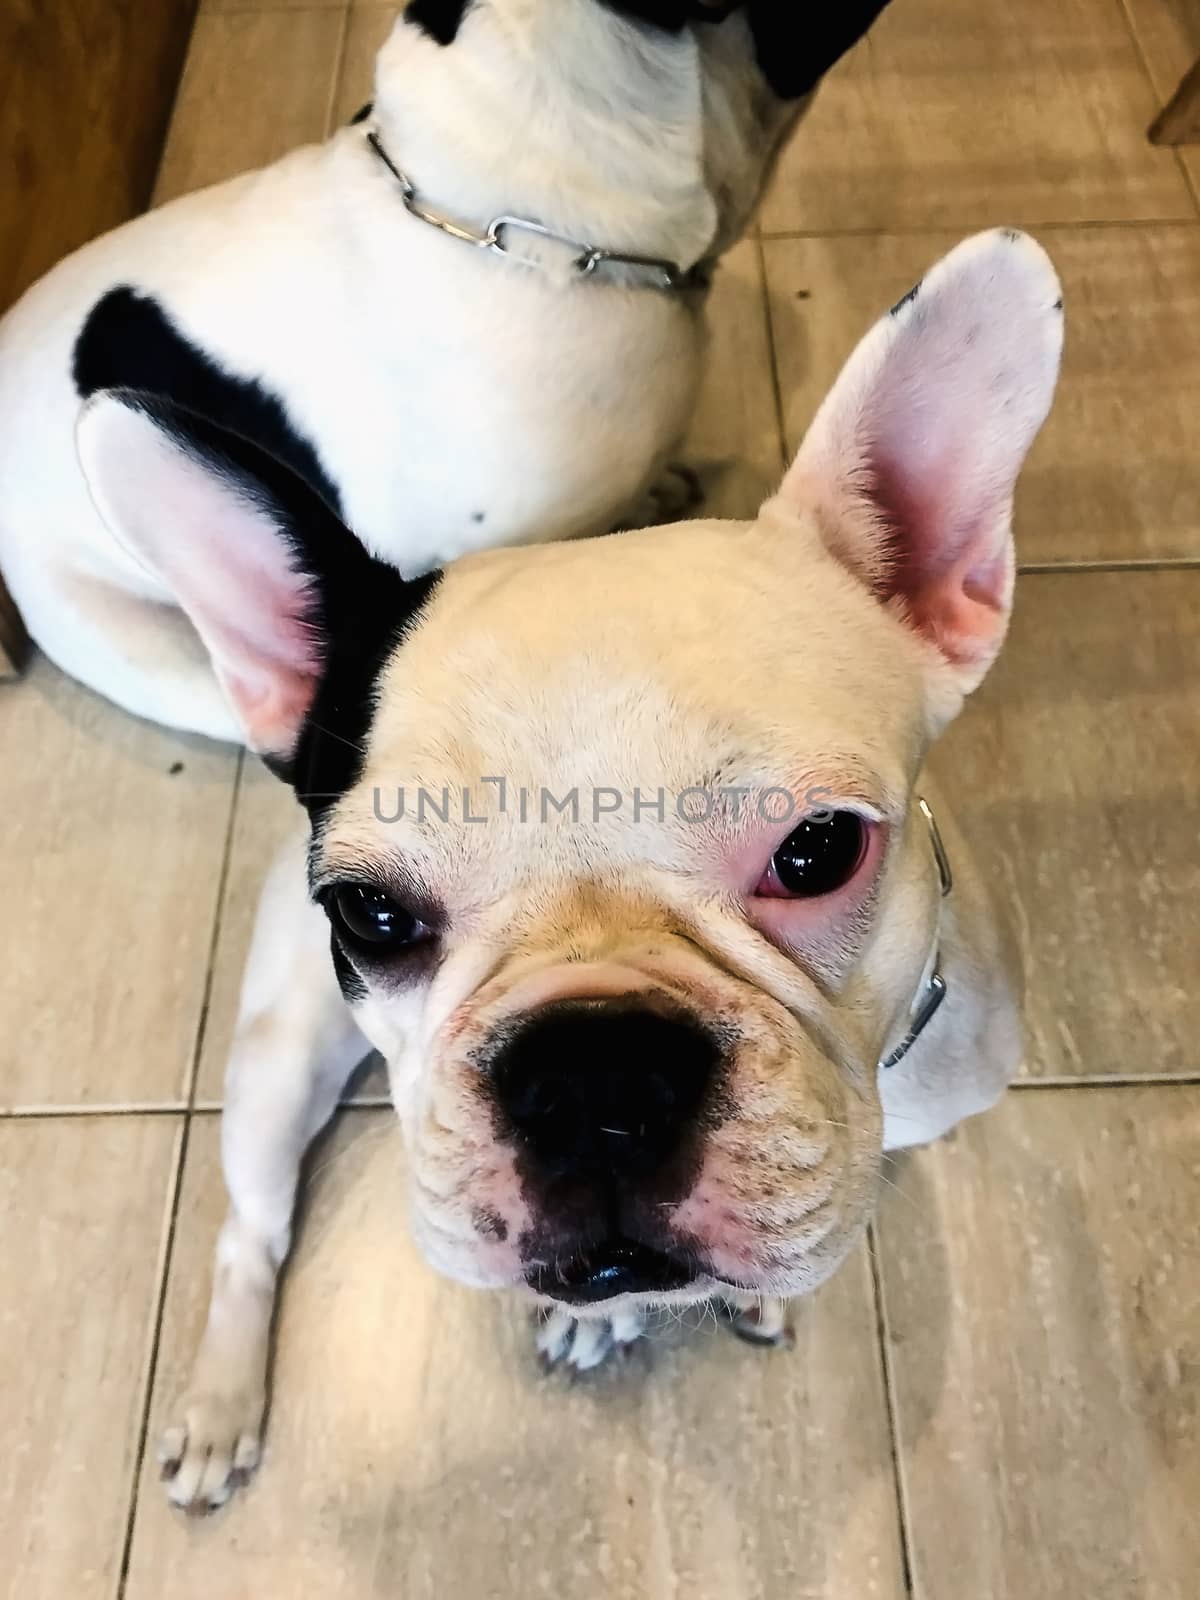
{"x": 369, "y": 918}
{"x": 819, "y": 856}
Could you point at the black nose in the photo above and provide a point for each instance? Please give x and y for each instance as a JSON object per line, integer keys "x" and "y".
{"x": 605, "y": 1088}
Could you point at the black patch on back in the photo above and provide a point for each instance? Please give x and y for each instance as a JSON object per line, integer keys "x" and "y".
{"x": 797, "y": 45}
{"x": 362, "y": 114}
{"x": 359, "y": 608}
{"x": 440, "y": 19}
{"x": 129, "y": 342}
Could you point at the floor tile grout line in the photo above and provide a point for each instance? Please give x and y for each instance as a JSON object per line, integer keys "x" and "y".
{"x": 370, "y": 1102}
{"x": 1111, "y": 1080}
{"x": 1158, "y": 92}
{"x": 382, "y": 1102}
{"x": 168, "y": 1252}
{"x": 1036, "y": 569}
{"x": 217, "y": 923}
{"x": 1101, "y": 1080}
{"x": 772, "y": 354}
{"x": 932, "y": 229}
{"x": 125, "y": 1108}
{"x": 888, "y": 1376}
{"x": 166, "y": 1255}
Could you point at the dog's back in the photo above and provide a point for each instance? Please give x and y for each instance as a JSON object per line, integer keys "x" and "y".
{"x": 442, "y": 399}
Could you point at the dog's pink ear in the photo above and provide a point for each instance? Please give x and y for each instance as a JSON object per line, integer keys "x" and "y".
{"x": 911, "y": 463}
{"x": 203, "y": 530}
{"x": 298, "y": 616}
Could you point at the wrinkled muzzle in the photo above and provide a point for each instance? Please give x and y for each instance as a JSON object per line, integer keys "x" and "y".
{"x": 608, "y": 1132}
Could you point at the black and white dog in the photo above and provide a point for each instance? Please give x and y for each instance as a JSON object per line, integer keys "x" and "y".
{"x": 441, "y": 393}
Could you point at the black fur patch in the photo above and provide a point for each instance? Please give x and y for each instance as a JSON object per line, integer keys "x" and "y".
{"x": 359, "y": 608}
{"x": 672, "y": 15}
{"x": 129, "y": 342}
{"x": 797, "y": 45}
{"x": 906, "y": 299}
{"x": 668, "y": 14}
{"x": 440, "y": 19}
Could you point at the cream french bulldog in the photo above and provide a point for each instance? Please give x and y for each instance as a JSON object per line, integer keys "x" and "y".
{"x": 626, "y": 851}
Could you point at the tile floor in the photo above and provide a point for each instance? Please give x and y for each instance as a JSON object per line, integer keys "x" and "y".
{"x": 999, "y": 1398}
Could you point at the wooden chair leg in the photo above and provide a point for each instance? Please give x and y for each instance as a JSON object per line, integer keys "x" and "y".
{"x": 1179, "y": 121}
{"x": 13, "y": 640}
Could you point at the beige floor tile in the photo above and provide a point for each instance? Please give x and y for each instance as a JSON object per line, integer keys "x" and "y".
{"x": 416, "y": 1450}
{"x": 83, "y": 1211}
{"x": 368, "y": 28}
{"x": 256, "y": 85}
{"x": 1074, "y": 774}
{"x": 1043, "y": 1305}
{"x": 1168, "y": 33}
{"x": 954, "y": 115}
{"x": 266, "y": 814}
{"x": 734, "y": 443}
{"x": 1116, "y": 473}
{"x": 114, "y": 835}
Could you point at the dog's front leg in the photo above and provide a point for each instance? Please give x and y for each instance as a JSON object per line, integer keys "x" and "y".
{"x": 294, "y": 1049}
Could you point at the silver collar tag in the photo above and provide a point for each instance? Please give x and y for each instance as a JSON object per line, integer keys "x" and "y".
{"x": 933, "y": 987}
{"x": 584, "y": 260}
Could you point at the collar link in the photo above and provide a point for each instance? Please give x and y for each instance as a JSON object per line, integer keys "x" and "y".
{"x": 584, "y": 260}
{"x": 932, "y": 991}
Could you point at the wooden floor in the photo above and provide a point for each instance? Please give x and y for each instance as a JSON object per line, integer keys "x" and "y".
{"x": 999, "y": 1397}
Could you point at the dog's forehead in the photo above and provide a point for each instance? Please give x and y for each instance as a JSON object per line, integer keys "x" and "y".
{"x": 699, "y": 655}
{"x": 691, "y": 608}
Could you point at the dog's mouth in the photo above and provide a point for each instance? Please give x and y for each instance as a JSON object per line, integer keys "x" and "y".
{"x": 610, "y": 1268}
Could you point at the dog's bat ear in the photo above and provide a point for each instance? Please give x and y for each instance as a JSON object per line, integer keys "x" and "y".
{"x": 276, "y": 586}
{"x": 797, "y": 45}
{"x": 911, "y": 463}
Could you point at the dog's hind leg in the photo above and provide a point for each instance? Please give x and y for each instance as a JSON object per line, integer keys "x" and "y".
{"x": 294, "y": 1049}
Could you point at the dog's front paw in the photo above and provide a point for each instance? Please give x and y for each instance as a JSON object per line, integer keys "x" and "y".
{"x": 583, "y": 1343}
{"x": 211, "y": 1448}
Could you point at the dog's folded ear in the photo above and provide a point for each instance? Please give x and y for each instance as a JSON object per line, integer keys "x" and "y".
{"x": 911, "y": 463}
{"x": 289, "y": 604}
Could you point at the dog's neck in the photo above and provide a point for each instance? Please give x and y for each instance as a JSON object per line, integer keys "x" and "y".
{"x": 589, "y": 125}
